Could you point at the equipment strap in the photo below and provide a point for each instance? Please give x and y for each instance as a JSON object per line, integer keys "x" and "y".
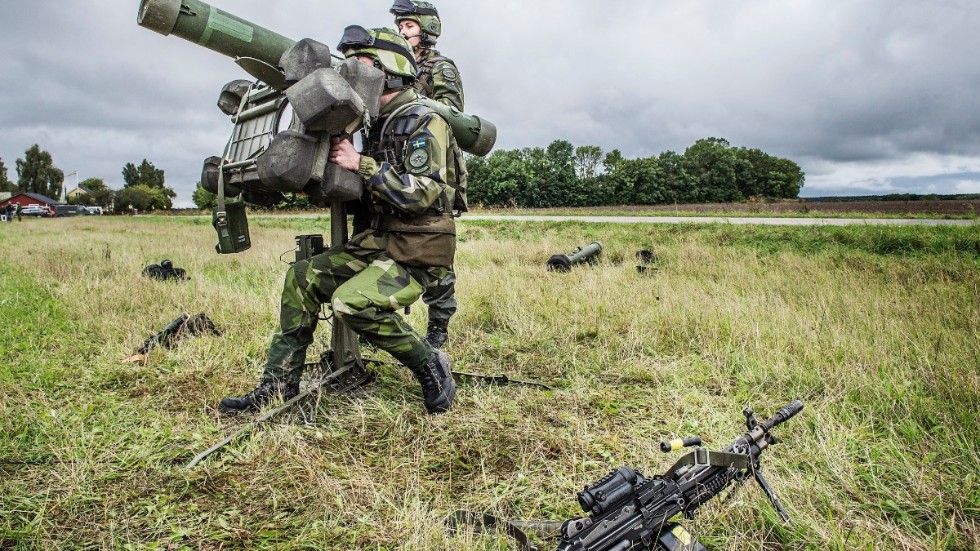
{"x": 221, "y": 213}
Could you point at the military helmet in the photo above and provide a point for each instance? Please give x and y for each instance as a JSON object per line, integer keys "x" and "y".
{"x": 390, "y": 50}
{"x": 423, "y": 13}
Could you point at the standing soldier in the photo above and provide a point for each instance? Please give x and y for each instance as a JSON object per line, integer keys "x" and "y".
{"x": 438, "y": 78}
{"x": 409, "y": 167}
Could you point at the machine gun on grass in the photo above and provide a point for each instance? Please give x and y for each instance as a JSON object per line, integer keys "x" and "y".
{"x": 629, "y": 511}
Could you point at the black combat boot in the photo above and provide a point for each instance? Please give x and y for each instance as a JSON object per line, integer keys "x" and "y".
{"x": 262, "y": 395}
{"x": 437, "y": 334}
{"x": 438, "y": 386}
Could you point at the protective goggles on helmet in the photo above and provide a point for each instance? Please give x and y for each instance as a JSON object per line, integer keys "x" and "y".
{"x": 407, "y": 7}
{"x": 356, "y": 37}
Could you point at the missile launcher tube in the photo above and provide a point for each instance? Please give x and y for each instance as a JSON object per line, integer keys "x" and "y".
{"x": 564, "y": 262}
{"x": 215, "y": 29}
{"x": 230, "y": 35}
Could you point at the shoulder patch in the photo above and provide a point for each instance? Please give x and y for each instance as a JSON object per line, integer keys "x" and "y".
{"x": 419, "y": 143}
{"x": 418, "y": 161}
{"x": 449, "y": 74}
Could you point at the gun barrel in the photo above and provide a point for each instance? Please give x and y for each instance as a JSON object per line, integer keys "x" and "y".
{"x": 783, "y": 415}
{"x": 215, "y": 29}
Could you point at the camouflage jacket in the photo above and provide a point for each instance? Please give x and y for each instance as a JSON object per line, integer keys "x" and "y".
{"x": 438, "y": 78}
{"x": 407, "y": 171}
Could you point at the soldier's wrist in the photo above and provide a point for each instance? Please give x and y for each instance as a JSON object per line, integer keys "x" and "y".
{"x": 368, "y": 167}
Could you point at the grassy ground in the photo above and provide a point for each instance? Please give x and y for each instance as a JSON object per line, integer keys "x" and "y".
{"x": 874, "y": 328}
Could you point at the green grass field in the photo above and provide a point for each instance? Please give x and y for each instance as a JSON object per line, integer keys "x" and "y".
{"x": 874, "y": 328}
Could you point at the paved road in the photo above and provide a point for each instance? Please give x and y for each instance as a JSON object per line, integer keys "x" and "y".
{"x": 730, "y": 220}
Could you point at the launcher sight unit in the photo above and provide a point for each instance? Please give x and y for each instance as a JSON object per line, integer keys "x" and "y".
{"x": 303, "y": 95}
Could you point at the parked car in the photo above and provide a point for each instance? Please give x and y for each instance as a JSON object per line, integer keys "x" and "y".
{"x": 34, "y": 210}
{"x": 94, "y": 210}
{"x": 70, "y": 210}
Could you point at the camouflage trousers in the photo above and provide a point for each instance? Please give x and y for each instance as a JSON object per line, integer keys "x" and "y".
{"x": 364, "y": 288}
{"x": 440, "y": 297}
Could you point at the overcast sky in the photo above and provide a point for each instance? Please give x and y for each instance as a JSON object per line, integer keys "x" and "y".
{"x": 868, "y": 96}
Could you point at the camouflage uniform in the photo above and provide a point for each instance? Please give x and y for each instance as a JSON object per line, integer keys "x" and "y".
{"x": 439, "y": 79}
{"x": 363, "y": 284}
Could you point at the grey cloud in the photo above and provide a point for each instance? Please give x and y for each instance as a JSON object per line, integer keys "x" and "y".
{"x": 832, "y": 84}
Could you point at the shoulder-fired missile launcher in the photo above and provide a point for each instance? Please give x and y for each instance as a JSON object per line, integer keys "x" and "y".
{"x": 283, "y": 122}
{"x": 303, "y": 95}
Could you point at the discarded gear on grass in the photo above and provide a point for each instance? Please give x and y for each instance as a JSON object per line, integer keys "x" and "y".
{"x": 647, "y": 259}
{"x": 184, "y": 326}
{"x": 164, "y": 271}
{"x": 564, "y": 262}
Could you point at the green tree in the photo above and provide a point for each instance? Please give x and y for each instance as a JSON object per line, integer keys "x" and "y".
{"x": 558, "y": 183}
{"x": 5, "y": 184}
{"x": 151, "y": 177}
{"x": 497, "y": 180}
{"x": 99, "y": 193}
{"x": 752, "y": 168}
{"x": 36, "y": 173}
{"x": 711, "y": 163}
{"x": 93, "y": 184}
{"x": 678, "y": 186}
{"x": 144, "y": 175}
{"x": 203, "y": 198}
{"x": 141, "y": 197}
{"x": 648, "y": 187}
{"x": 534, "y": 164}
{"x": 587, "y": 161}
{"x": 786, "y": 178}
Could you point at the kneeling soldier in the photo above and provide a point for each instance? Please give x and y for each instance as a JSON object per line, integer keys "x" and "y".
{"x": 407, "y": 166}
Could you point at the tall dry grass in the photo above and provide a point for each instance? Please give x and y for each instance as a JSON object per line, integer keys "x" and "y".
{"x": 875, "y": 329}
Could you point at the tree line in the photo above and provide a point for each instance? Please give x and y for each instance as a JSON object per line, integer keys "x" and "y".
{"x": 143, "y": 187}
{"x": 561, "y": 175}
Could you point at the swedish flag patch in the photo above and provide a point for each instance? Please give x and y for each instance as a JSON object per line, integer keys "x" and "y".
{"x": 419, "y": 143}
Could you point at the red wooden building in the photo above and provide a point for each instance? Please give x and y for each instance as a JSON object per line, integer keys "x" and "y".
{"x": 24, "y": 199}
